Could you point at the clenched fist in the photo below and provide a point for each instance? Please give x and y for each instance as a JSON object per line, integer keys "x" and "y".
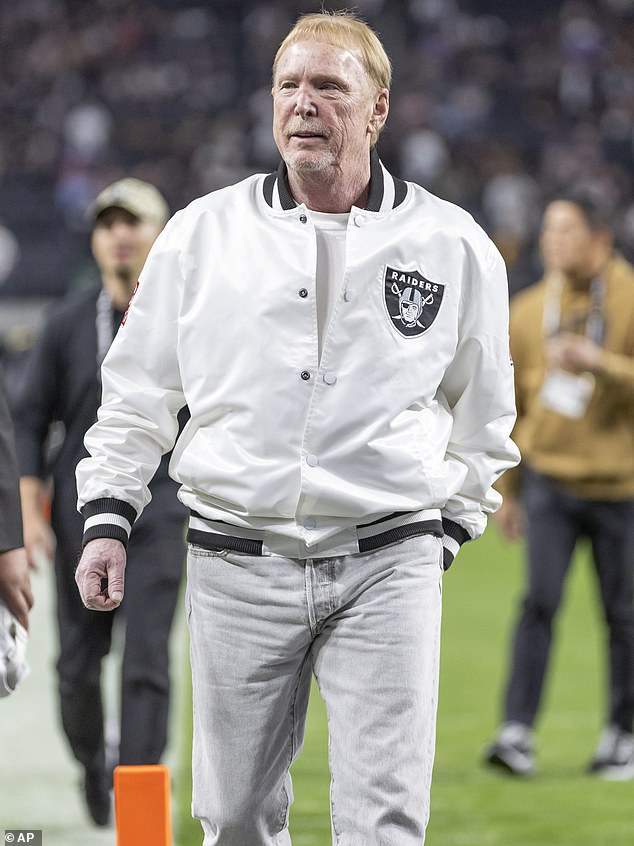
{"x": 100, "y": 574}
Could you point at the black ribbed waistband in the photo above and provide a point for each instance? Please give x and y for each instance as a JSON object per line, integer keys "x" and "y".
{"x": 410, "y": 530}
{"x": 214, "y": 542}
{"x": 369, "y": 541}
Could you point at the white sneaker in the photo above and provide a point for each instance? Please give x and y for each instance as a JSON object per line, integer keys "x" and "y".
{"x": 614, "y": 757}
{"x": 512, "y": 750}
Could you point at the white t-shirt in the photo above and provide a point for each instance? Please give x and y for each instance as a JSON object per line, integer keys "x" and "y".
{"x": 331, "y": 263}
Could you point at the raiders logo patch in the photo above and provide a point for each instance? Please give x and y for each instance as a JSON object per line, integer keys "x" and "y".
{"x": 412, "y": 301}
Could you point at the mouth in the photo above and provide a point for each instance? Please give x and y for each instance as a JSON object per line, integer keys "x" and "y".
{"x": 307, "y": 137}
{"x": 306, "y": 134}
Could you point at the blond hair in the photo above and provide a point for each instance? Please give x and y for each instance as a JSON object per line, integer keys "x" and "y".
{"x": 343, "y": 29}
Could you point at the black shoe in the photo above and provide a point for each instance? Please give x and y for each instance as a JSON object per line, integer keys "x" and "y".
{"x": 97, "y": 795}
{"x": 512, "y": 750}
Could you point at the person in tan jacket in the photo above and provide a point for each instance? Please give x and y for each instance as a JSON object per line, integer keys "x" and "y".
{"x": 572, "y": 342}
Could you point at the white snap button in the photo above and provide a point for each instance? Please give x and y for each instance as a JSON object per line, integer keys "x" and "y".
{"x": 330, "y": 378}
{"x": 310, "y": 523}
{"x": 312, "y": 460}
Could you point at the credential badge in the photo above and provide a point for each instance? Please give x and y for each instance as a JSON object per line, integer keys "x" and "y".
{"x": 412, "y": 301}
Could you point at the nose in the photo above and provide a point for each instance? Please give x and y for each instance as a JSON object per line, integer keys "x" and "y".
{"x": 304, "y": 103}
{"x": 121, "y": 228}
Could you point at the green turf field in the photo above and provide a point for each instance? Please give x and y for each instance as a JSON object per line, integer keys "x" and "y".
{"x": 472, "y": 806}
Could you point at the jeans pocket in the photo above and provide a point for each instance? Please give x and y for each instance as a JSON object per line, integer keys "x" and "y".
{"x": 202, "y": 552}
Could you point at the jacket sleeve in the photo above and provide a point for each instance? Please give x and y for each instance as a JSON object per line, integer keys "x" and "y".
{"x": 520, "y": 321}
{"x": 618, "y": 372}
{"x": 10, "y": 515}
{"x": 142, "y": 395}
{"x": 37, "y": 401}
{"x": 478, "y": 387}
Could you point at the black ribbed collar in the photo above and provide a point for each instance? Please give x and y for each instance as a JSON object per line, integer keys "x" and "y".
{"x": 375, "y": 194}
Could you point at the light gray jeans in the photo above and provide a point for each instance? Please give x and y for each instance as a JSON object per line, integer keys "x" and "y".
{"x": 368, "y": 627}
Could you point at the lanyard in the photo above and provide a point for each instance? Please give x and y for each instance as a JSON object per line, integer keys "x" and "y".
{"x": 105, "y": 327}
{"x": 595, "y": 324}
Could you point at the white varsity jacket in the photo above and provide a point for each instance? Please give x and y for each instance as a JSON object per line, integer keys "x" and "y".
{"x": 403, "y": 425}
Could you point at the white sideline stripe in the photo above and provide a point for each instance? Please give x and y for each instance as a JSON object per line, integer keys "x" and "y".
{"x": 101, "y": 519}
{"x": 451, "y": 544}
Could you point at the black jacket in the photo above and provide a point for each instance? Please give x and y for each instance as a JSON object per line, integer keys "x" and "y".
{"x": 10, "y": 515}
{"x": 61, "y": 385}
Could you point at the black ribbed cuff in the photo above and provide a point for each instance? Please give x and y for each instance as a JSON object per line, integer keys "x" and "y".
{"x": 107, "y": 518}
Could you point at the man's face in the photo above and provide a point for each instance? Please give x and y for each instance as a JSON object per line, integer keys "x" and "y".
{"x": 324, "y": 108}
{"x": 567, "y": 242}
{"x": 121, "y": 243}
{"x": 409, "y": 312}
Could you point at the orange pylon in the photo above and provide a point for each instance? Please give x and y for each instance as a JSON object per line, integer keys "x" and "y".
{"x": 142, "y": 806}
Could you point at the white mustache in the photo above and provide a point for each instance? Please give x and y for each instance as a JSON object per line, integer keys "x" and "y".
{"x": 311, "y": 128}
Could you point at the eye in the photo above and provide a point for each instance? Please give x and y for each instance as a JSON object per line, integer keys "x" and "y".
{"x": 287, "y": 85}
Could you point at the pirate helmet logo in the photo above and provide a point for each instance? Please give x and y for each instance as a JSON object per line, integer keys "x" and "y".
{"x": 412, "y": 301}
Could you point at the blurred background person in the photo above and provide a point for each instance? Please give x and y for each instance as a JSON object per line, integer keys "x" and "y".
{"x": 62, "y": 385}
{"x": 572, "y": 341}
{"x": 16, "y": 598}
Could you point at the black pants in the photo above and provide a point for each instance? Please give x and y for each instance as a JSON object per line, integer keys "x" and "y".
{"x": 555, "y": 521}
{"x": 156, "y": 554}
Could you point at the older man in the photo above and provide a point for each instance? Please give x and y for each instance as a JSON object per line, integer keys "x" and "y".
{"x": 62, "y": 385}
{"x": 336, "y": 456}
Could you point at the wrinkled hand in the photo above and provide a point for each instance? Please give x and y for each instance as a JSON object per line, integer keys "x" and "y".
{"x": 510, "y": 520}
{"x": 100, "y": 574}
{"x": 15, "y": 585}
{"x": 574, "y": 353}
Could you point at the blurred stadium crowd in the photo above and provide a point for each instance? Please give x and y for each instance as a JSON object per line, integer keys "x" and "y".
{"x": 495, "y": 104}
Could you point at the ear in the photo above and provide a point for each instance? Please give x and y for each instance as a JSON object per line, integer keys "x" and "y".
{"x": 380, "y": 111}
